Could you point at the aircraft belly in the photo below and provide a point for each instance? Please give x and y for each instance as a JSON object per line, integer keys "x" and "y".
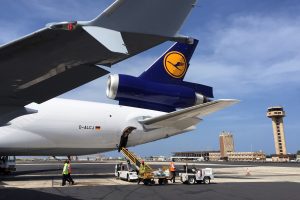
{"x": 50, "y": 151}
{"x": 22, "y": 142}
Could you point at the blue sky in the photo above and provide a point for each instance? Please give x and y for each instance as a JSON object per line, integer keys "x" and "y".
{"x": 248, "y": 49}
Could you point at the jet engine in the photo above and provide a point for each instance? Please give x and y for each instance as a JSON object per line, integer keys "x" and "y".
{"x": 137, "y": 92}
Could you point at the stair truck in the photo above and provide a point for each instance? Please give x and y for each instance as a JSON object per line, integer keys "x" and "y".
{"x": 150, "y": 175}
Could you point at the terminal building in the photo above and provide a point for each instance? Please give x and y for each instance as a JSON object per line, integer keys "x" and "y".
{"x": 193, "y": 155}
{"x": 226, "y": 152}
{"x": 239, "y": 156}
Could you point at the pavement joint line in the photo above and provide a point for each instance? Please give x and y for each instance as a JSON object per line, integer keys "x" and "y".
{"x": 47, "y": 175}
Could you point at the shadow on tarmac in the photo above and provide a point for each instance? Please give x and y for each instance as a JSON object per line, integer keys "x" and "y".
{"x": 51, "y": 177}
{"x": 11, "y": 193}
{"x": 224, "y": 191}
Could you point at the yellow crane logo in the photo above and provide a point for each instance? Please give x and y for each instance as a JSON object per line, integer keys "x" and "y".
{"x": 175, "y": 64}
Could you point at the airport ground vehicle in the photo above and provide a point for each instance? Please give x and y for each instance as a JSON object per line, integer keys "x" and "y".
{"x": 150, "y": 176}
{"x": 7, "y": 164}
{"x": 126, "y": 172}
{"x": 192, "y": 176}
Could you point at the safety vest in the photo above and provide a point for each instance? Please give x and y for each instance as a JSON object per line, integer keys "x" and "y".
{"x": 172, "y": 167}
{"x": 142, "y": 169}
{"x": 65, "y": 169}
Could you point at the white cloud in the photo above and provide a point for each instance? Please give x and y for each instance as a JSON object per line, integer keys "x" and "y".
{"x": 65, "y": 10}
{"x": 250, "y": 54}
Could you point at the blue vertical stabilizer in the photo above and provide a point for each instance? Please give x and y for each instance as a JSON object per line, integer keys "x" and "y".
{"x": 172, "y": 66}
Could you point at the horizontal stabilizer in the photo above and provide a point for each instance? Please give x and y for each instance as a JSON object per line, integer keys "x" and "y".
{"x": 111, "y": 39}
{"x": 181, "y": 118}
{"x": 155, "y": 17}
{"x": 199, "y": 88}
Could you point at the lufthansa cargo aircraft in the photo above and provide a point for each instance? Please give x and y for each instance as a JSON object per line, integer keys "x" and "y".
{"x": 156, "y": 105}
{"x": 65, "y": 55}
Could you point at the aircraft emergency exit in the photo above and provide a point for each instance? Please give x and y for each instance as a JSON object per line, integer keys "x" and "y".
{"x": 156, "y": 105}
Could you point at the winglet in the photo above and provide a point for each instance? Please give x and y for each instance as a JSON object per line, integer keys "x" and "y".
{"x": 155, "y": 17}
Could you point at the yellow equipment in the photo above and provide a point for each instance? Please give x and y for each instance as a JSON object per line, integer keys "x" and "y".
{"x": 150, "y": 175}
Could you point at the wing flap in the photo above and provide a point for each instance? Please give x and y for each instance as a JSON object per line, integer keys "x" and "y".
{"x": 56, "y": 85}
{"x": 182, "y": 117}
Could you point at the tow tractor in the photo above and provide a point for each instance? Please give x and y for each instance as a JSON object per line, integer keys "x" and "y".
{"x": 7, "y": 164}
{"x": 192, "y": 176}
{"x": 150, "y": 175}
{"x": 126, "y": 172}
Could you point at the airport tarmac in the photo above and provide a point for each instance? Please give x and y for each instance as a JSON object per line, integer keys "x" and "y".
{"x": 96, "y": 181}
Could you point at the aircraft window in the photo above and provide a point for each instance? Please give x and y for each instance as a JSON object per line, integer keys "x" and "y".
{"x": 275, "y": 109}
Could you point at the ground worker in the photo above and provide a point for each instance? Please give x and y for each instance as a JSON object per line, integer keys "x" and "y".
{"x": 65, "y": 172}
{"x": 172, "y": 170}
{"x": 69, "y": 178}
{"x": 142, "y": 171}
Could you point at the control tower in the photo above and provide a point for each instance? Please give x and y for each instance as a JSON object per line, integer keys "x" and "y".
{"x": 277, "y": 114}
{"x": 226, "y": 144}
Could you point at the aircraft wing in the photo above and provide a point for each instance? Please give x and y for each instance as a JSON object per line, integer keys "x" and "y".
{"x": 188, "y": 117}
{"x": 65, "y": 55}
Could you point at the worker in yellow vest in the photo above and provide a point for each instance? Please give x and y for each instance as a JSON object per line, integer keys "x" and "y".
{"x": 65, "y": 173}
{"x": 142, "y": 171}
{"x": 172, "y": 170}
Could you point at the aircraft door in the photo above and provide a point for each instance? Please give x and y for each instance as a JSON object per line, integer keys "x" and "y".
{"x": 124, "y": 137}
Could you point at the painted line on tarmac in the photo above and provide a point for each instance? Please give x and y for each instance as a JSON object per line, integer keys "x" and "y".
{"x": 60, "y": 163}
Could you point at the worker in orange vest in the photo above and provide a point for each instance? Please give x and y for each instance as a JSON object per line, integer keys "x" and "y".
{"x": 172, "y": 170}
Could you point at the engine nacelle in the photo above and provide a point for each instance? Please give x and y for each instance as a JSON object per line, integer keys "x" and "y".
{"x": 132, "y": 89}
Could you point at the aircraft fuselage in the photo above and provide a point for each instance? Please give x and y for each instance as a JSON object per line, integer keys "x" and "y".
{"x": 66, "y": 127}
